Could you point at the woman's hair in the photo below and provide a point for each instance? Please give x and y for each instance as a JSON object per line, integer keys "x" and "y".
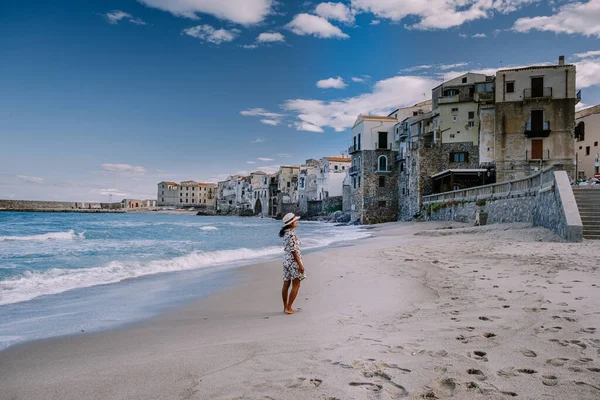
{"x": 284, "y": 230}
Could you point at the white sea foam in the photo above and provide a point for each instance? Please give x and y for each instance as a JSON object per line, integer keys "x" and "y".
{"x": 57, "y": 280}
{"x": 209, "y": 228}
{"x": 69, "y": 235}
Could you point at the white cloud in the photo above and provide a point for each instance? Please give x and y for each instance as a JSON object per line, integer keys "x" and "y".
{"x": 307, "y": 24}
{"x": 284, "y": 155}
{"x": 580, "y": 106}
{"x": 575, "y": 18}
{"x": 257, "y": 140}
{"x": 375, "y": 22}
{"x": 260, "y": 112}
{"x": 115, "y": 16}
{"x": 336, "y": 12}
{"x": 588, "y": 73}
{"x": 357, "y": 80}
{"x": 417, "y": 68}
{"x": 264, "y": 159}
{"x": 587, "y": 54}
{"x": 438, "y": 14}
{"x": 270, "y": 37}
{"x": 32, "y": 179}
{"x": 451, "y": 66}
{"x": 250, "y": 46}
{"x": 340, "y": 114}
{"x": 244, "y": 12}
{"x": 272, "y": 122}
{"x": 462, "y": 35}
{"x": 479, "y": 36}
{"x": 124, "y": 169}
{"x": 308, "y": 127}
{"x": 251, "y": 162}
{"x": 331, "y": 83}
{"x": 209, "y": 34}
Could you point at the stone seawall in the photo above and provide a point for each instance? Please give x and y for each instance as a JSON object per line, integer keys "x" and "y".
{"x": 58, "y": 206}
{"x": 553, "y": 207}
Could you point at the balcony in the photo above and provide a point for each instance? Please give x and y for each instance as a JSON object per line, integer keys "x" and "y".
{"x": 537, "y": 132}
{"x": 484, "y": 97}
{"x": 353, "y": 149}
{"x": 384, "y": 146}
{"x": 448, "y": 99}
{"x": 537, "y": 93}
{"x": 354, "y": 170}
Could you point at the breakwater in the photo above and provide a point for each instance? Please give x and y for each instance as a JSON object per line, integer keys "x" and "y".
{"x": 60, "y": 206}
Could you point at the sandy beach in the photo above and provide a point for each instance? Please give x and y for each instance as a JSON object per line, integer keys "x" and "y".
{"x": 420, "y": 310}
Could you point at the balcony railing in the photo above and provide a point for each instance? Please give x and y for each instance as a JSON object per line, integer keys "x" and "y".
{"x": 537, "y": 93}
{"x": 384, "y": 146}
{"x": 354, "y": 170}
{"x": 448, "y": 99}
{"x": 353, "y": 149}
{"x": 544, "y": 132}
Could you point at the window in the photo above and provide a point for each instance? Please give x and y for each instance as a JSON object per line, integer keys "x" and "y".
{"x": 471, "y": 114}
{"x": 537, "y": 120}
{"x": 344, "y": 168}
{"x": 580, "y": 131}
{"x": 335, "y": 168}
{"x": 382, "y": 181}
{"x": 289, "y": 184}
{"x": 452, "y": 136}
{"x": 359, "y": 181}
{"x": 163, "y": 192}
{"x": 454, "y": 118}
{"x": 595, "y": 144}
{"x": 580, "y": 147}
{"x": 358, "y": 141}
{"x": 180, "y": 194}
{"x": 382, "y": 140}
{"x": 163, "y": 199}
{"x": 587, "y": 150}
{"x": 455, "y": 110}
{"x": 471, "y": 123}
{"x": 181, "y": 200}
{"x": 382, "y": 163}
{"x": 510, "y": 87}
{"x": 464, "y": 80}
{"x": 382, "y": 204}
{"x": 354, "y": 182}
{"x": 459, "y": 157}
{"x": 451, "y": 92}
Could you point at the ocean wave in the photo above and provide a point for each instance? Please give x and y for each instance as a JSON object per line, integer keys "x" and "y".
{"x": 57, "y": 280}
{"x": 209, "y": 228}
{"x": 69, "y": 235}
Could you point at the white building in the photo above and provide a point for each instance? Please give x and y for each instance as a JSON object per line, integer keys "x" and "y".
{"x": 186, "y": 194}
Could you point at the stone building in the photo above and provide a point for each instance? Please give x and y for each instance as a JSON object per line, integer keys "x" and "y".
{"x": 587, "y": 136}
{"x": 308, "y": 177}
{"x": 186, "y": 194}
{"x": 288, "y": 198}
{"x": 233, "y": 195}
{"x": 373, "y": 172}
{"x": 259, "y": 193}
{"x": 535, "y": 119}
{"x": 133, "y": 204}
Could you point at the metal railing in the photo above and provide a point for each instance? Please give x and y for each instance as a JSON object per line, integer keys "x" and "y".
{"x": 545, "y": 126}
{"x": 354, "y": 170}
{"x": 385, "y": 146}
{"x": 537, "y": 93}
{"x": 353, "y": 149}
{"x": 448, "y": 99}
{"x": 541, "y": 180}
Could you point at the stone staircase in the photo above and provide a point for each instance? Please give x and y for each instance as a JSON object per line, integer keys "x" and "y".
{"x": 588, "y": 202}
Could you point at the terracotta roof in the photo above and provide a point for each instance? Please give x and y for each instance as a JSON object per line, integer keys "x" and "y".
{"x": 170, "y": 183}
{"x": 339, "y": 159}
{"x": 377, "y": 118}
{"x": 587, "y": 112}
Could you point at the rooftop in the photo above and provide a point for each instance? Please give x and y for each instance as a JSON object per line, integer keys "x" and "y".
{"x": 374, "y": 118}
{"x": 338, "y": 159}
{"x": 556, "y": 66}
{"x": 587, "y": 112}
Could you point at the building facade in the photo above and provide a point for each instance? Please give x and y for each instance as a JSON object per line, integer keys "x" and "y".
{"x": 587, "y": 137}
{"x": 186, "y": 194}
{"x": 535, "y": 119}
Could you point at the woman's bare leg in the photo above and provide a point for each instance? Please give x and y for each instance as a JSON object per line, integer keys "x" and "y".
{"x": 284, "y": 293}
{"x": 292, "y": 296}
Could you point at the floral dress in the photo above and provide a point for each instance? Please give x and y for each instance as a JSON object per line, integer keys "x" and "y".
{"x": 291, "y": 244}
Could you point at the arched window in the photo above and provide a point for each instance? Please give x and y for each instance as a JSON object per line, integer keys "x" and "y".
{"x": 382, "y": 163}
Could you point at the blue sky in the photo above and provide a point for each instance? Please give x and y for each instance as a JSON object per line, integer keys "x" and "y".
{"x": 102, "y": 97}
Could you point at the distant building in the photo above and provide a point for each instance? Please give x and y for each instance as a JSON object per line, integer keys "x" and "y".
{"x": 259, "y": 193}
{"x": 138, "y": 204}
{"x": 587, "y": 137}
{"x": 535, "y": 119}
{"x": 186, "y": 194}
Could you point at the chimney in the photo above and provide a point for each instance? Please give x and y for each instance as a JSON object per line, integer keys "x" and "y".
{"x": 561, "y": 60}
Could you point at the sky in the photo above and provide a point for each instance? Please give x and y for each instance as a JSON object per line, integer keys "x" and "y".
{"x": 104, "y": 97}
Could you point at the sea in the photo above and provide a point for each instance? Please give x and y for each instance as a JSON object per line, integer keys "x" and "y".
{"x": 67, "y": 273}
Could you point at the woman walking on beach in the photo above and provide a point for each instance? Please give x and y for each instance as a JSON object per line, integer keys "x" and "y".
{"x": 293, "y": 269}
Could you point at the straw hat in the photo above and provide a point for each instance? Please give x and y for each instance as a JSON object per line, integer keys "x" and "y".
{"x": 289, "y": 218}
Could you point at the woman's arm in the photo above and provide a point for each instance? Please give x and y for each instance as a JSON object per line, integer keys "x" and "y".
{"x": 298, "y": 261}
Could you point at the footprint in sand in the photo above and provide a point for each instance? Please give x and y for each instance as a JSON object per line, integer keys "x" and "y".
{"x": 588, "y": 330}
{"x": 484, "y": 318}
{"x": 549, "y": 380}
{"x": 477, "y": 374}
{"x": 479, "y": 355}
{"x": 488, "y": 335}
{"x": 528, "y": 353}
{"x": 527, "y": 371}
{"x": 367, "y": 385}
{"x": 557, "y": 362}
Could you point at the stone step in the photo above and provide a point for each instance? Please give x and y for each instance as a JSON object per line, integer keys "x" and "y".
{"x": 592, "y": 237}
{"x": 585, "y": 196}
{"x": 591, "y": 231}
{"x": 589, "y": 208}
{"x": 590, "y": 221}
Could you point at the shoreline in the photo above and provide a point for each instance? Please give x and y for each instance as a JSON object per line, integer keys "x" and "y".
{"x": 390, "y": 317}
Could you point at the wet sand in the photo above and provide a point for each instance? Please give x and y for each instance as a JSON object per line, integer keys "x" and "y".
{"x": 417, "y": 311}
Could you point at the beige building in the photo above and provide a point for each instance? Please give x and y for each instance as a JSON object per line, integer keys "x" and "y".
{"x": 587, "y": 136}
{"x": 535, "y": 119}
{"x": 186, "y": 194}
